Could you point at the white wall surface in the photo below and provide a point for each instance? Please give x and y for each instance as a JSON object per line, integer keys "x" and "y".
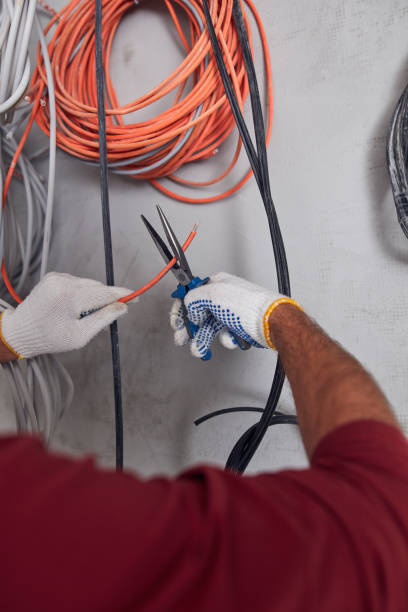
{"x": 338, "y": 69}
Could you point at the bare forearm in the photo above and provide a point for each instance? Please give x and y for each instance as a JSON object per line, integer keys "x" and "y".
{"x": 330, "y": 387}
{"x": 6, "y": 354}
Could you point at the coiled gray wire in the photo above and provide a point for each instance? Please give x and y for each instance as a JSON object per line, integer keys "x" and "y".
{"x": 397, "y": 158}
{"x": 41, "y": 389}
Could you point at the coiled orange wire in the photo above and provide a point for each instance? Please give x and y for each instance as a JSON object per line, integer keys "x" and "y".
{"x": 72, "y": 55}
{"x": 76, "y": 92}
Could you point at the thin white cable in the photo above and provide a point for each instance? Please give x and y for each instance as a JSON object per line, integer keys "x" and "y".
{"x": 9, "y": 53}
{"x": 27, "y": 400}
{"x": 5, "y": 25}
{"x": 18, "y": 408}
{"x": 26, "y": 255}
{"x": 23, "y": 58}
{"x": 41, "y": 388}
{"x": 19, "y": 92}
{"x": 53, "y": 149}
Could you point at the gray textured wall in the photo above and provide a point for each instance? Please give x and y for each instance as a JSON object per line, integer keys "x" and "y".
{"x": 338, "y": 68}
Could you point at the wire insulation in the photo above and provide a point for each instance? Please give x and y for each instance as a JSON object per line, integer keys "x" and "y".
{"x": 41, "y": 388}
{"x": 190, "y": 129}
{"x": 247, "y": 445}
{"x": 201, "y": 117}
{"x": 397, "y": 158}
{"x": 107, "y": 232}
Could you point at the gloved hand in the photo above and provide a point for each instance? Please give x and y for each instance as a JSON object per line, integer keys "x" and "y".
{"x": 226, "y": 304}
{"x": 49, "y": 321}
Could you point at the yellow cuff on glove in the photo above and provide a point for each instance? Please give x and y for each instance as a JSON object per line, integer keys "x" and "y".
{"x": 269, "y": 311}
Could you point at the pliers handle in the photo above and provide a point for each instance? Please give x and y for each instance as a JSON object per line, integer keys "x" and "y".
{"x": 181, "y": 293}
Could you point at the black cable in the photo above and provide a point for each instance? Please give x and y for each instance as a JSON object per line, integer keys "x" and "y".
{"x": 277, "y": 417}
{"x": 107, "y": 234}
{"x": 397, "y": 158}
{"x": 236, "y": 111}
{"x": 247, "y": 445}
{"x": 277, "y": 241}
{"x": 216, "y": 413}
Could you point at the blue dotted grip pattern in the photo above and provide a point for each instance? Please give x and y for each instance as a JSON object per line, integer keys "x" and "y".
{"x": 217, "y": 318}
{"x": 224, "y": 315}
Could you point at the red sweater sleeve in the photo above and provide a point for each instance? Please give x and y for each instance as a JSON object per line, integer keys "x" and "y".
{"x": 333, "y": 537}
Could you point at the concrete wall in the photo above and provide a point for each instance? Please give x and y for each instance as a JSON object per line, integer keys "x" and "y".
{"x": 338, "y": 69}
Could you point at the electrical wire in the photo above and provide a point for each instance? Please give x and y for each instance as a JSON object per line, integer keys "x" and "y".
{"x": 103, "y": 161}
{"x": 160, "y": 275}
{"x": 201, "y": 118}
{"x": 247, "y": 445}
{"x": 16, "y": 24}
{"x": 279, "y": 417}
{"x": 107, "y": 234}
{"x": 191, "y": 129}
{"x": 43, "y": 102}
{"x": 397, "y": 158}
{"x": 52, "y": 150}
{"x": 193, "y": 126}
{"x": 40, "y": 388}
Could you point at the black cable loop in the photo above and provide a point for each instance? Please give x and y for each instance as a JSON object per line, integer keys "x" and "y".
{"x": 246, "y": 446}
{"x": 107, "y": 233}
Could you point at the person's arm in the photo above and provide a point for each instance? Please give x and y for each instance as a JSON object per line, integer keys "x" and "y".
{"x": 5, "y": 353}
{"x": 329, "y": 385}
{"x": 110, "y": 541}
{"x": 61, "y": 313}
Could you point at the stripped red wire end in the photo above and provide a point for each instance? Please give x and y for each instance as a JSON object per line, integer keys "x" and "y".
{"x": 125, "y": 299}
{"x": 159, "y": 276}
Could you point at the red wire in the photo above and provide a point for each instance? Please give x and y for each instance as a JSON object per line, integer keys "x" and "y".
{"x": 159, "y": 276}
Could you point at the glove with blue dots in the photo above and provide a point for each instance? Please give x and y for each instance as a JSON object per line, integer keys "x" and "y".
{"x": 225, "y": 304}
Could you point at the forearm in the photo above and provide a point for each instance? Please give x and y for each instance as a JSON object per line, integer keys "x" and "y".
{"x": 6, "y": 354}
{"x": 329, "y": 386}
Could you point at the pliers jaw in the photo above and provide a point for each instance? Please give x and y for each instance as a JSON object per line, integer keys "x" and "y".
{"x": 182, "y": 271}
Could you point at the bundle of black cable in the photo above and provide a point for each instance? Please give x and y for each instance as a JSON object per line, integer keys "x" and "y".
{"x": 397, "y": 157}
{"x": 246, "y": 446}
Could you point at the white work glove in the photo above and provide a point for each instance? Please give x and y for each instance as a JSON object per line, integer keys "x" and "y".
{"x": 49, "y": 319}
{"x": 226, "y": 304}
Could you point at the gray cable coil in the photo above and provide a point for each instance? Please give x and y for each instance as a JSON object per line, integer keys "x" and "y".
{"x": 41, "y": 389}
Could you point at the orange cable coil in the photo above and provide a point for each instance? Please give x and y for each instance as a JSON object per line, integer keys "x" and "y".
{"x": 198, "y": 121}
{"x": 72, "y": 56}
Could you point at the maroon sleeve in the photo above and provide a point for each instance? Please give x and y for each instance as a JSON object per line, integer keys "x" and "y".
{"x": 331, "y": 538}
